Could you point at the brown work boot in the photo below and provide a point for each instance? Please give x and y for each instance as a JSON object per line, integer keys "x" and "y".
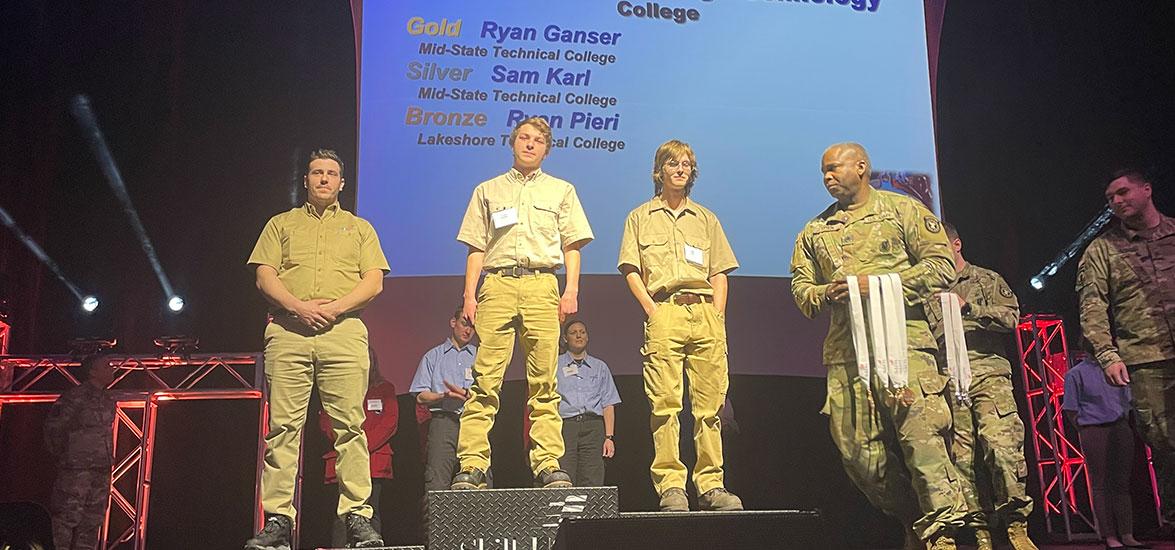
{"x": 942, "y": 542}
{"x": 674, "y": 500}
{"x": 720, "y": 499}
{"x": 983, "y": 539}
{"x": 1018, "y": 535}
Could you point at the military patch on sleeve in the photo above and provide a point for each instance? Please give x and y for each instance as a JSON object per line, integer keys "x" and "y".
{"x": 932, "y": 224}
{"x": 1005, "y": 291}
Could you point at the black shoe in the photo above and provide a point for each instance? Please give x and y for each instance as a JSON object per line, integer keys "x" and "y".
{"x": 274, "y": 536}
{"x": 468, "y": 480}
{"x": 360, "y": 533}
{"x": 552, "y": 478}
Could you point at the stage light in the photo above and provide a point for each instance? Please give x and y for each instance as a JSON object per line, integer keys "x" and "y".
{"x": 89, "y": 304}
{"x": 1037, "y": 281}
{"x": 175, "y": 304}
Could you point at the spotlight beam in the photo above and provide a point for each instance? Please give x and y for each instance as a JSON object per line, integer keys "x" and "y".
{"x": 37, "y": 251}
{"x": 84, "y": 113}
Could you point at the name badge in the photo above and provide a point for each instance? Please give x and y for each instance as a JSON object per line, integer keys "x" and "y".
{"x": 469, "y": 373}
{"x": 571, "y": 370}
{"x": 376, "y": 405}
{"x": 693, "y": 255}
{"x": 504, "y": 218}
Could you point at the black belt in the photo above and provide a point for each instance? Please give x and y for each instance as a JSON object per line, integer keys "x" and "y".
{"x": 283, "y": 314}
{"x": 445, "y": 413}
{"x": 684, "y": 298}
{"x": 519, "y": 271}
{"x": 583, "y": 417}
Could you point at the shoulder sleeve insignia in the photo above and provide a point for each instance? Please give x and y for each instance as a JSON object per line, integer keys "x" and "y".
{"x": 932, "y": 224}
{"x": 1005, "y": 291}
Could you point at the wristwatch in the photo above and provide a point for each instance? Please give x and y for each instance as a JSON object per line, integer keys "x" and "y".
{"x": 610, "y": 437}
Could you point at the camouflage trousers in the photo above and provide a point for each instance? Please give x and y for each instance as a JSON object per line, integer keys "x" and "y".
{"x": 894, "y": 449}
{"x": 1153, "y": 387}
{"x": 78, "y": 507}
{"x": 988, "y": 447}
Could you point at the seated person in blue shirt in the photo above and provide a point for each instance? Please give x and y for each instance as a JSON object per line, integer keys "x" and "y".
{"x": 588, "y": 398}
{"x": 1102, "y": 414}
{"x": 442, "y": 384}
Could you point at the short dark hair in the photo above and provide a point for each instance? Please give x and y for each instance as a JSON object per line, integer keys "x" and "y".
{"x": 567, "y": 326}
{"x": 1131, "y": 173}
{"x": 952, "y": 233}
{"x": 328, "y": 154}
{"x": 459, "y": 311}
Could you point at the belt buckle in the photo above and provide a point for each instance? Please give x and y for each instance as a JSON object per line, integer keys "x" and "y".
{"x": 517, "y": 271}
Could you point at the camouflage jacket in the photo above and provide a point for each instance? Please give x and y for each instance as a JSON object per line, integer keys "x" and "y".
{"x": 890, "y": 233}
{"x": 989, "y": 317}
{"x": 79, "y": 429}
{"x": 1126, "y": 286}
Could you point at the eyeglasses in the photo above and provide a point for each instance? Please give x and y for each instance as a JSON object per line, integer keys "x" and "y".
{"x": 673, "y": 165}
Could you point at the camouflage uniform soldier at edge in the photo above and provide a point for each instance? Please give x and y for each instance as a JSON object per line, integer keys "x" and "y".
{"x": 988, "y": 432}
{"x": 1126, "y": 287}
{"x": 79, "y": 433}
{"x": 894, "y": 450}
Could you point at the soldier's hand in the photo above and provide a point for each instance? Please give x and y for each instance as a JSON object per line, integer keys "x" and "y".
{"x": 1117, "y": 375}
{"x": 838, "y": 292}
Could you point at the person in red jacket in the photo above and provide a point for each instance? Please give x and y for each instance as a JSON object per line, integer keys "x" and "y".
{"x": 382, "y": 415}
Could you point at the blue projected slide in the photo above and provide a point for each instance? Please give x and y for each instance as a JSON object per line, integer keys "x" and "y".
{"x": 758, "y": 88}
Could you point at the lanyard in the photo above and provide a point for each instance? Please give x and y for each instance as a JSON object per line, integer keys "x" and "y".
{"x": 886, "y": 323}
{"x": 958, "y": 365}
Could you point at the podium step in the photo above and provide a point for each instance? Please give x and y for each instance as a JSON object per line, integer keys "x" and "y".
{"x": 380, "y": 548}
{"x": 511, "y": 519}
{"x": 776, "y": 529}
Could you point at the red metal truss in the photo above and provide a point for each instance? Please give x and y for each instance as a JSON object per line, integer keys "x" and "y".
{"x": 142, "y": 386}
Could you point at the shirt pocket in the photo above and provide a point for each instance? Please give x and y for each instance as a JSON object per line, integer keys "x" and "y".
{"x": 703, "y": 244}
{"x": 298, "y": 247}
{"x": 877, "y": 240}
{"x": 656, "y": 254}
{"x": 345, "y": 248}
{"x": 493, "y": 207}
{"x": 545, "y": 219}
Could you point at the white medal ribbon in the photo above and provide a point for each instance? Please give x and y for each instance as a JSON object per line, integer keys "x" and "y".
{"x": 886, "y": 320}
{"x": 958, "y": 365}
{"x": 857, "y": 321}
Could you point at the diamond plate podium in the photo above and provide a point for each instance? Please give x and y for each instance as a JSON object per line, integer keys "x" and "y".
{"x": 511, "y": 519}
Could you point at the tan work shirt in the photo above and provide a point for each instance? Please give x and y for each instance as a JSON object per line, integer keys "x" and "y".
{"x": 675, "y": 252}
{"x": 524, "y": 220}
{"x": 319, "y": 256}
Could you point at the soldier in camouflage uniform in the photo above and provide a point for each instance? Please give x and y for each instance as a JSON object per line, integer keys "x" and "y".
{"x": 79, "y": 433}
{"x": 1126, "y": 285}
{"x": 894, "y": 449}
{"x": 988, "y": 433}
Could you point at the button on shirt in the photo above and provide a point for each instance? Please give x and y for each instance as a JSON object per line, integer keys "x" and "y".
{"x": 445, "y": 363}
{"x": 319, "y": 256}
{"x": 547, "y": 217}
{"x": 589, "y": 390}
{"x": 1095, "y": 400}
{"x": 656, "y": 240}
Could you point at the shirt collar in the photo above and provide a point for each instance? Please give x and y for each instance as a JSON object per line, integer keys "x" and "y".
{"x": 329, "y": 211}
{"x": 517, "y": 176}
{"x": 450, "y": 346}
{"x": 1165, "y": 228}
{"x": 967, "y": 272}
{"x": 656, "y": 204}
